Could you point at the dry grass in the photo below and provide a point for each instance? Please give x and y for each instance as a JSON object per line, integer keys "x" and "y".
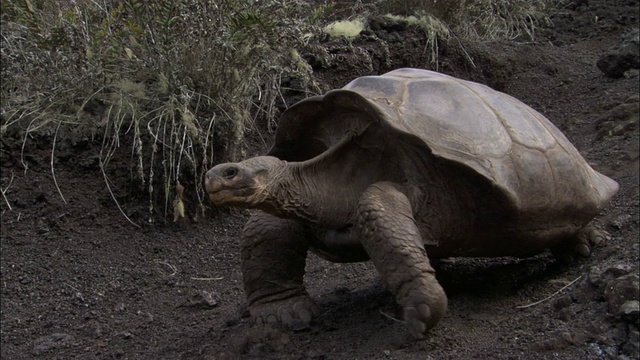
{"x": 478, "y": 19}
{"x": 461, "y": 21}
{"x": 178, "y": 83}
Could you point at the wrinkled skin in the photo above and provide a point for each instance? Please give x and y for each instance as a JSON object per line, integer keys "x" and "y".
{"x": 274, "y": 253}
{"x": 379, "y": 226}
{"x": 392, "y": 240}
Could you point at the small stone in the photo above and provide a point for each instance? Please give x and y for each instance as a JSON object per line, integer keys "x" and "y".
{"x": 618, "y": 270}
{"x": 598, "y": 277}
{"x": 595, "y": 276}
{"x": 202, "y": 299}
{"x": 620, "y": 290}
{"x": 565, "y": 315}
{"x": 620, "y": 221}
{"x": 630, "y": 308}
{"x": 595, "y": 349}
{"x": 53, "y": 341}
{"x": 562, "y": 302}
{"x": 574, "y": 338}
{"x": 631, "y": 73}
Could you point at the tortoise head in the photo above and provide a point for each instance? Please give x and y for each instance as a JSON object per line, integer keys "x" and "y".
{"x": 243, "y": 184}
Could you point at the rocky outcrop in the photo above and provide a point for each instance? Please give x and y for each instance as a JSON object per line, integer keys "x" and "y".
{"x": 623, "y": 56}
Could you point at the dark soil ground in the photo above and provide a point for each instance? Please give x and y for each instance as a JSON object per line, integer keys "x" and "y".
{"x": 80, "y": 281}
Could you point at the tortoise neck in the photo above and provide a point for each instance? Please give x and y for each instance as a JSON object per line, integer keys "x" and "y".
{"x": 290, "y": 196}
{"x": 325, "y": 190}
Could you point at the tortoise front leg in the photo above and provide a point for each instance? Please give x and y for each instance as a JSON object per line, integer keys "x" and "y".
{"x": 273, "y": 260}
{"x": 391, "y": 238}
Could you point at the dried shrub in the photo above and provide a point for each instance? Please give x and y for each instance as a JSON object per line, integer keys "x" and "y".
{"x": 478, "y": 19}
{"x": 179, "y": 80}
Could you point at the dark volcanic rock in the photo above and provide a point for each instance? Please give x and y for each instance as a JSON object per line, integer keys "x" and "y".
{"x": 622, "y": 56}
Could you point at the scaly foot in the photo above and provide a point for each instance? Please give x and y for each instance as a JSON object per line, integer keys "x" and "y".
{"x": 580, "y": 245}
{"x": 296, "y": 312}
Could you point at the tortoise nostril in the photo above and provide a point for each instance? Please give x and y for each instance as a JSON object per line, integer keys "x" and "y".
{"x": 230, "y": 172}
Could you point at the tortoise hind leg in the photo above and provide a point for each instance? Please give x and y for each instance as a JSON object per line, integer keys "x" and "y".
{"x": 391, "y": 238}
{"x": 580, "y": 244}
{"x": 273, "y": 260}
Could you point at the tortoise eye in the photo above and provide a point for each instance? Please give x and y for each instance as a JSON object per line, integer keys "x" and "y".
{"x": 230, "y": 173}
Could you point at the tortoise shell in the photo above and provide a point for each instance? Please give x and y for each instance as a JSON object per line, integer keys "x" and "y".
{"x": 497, "y": 136}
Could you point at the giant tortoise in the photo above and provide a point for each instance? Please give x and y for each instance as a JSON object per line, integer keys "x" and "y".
{"x": 398, "y": 169}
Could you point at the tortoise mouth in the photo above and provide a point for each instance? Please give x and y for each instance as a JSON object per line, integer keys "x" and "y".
{"x": 218, "y": 196}
{"x": 218, "y": 193}
{"x": 228, "y": 194}
{"x": 224, "y": 185}
{"x": 240, "y": 184}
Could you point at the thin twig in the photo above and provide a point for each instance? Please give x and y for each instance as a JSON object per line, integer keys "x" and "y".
{"x": 173, "y": 268}
{"x": 550, "y": 296}
{"x": 4, "y": 191}
{"x": 207, "y": 279}
{"x": 390, "y": 317}
{"x": 465, "y": 51}
{"x": 106, "y": 180}
{"x": 53, "y": 173}
{"x": 71, "y": 286}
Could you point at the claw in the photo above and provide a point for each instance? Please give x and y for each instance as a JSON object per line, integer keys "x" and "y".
{"x": 583, "y": 250}
{"x": 302, "y": 312}
{"x": 423, "y": 312}
{"x": 416, "y": 325}
{"x": 285, "y": 315}
{"x": 580, "y": 245}
{"x": 294, "y": 312}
